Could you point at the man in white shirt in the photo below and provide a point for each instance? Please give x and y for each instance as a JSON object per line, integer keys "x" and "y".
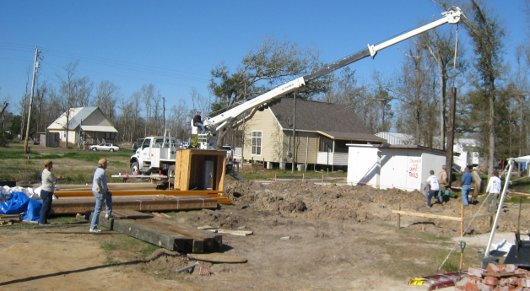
{"x": 434, "y": 188}
{"x": 493, "y": 190}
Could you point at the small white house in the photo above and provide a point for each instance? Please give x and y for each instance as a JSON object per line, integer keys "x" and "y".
{"x": 85, "y": 125}
{"x": 467, "y": 150}
{"x": 387, "y": 166}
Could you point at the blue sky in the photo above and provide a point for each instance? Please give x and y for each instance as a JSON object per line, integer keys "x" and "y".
{"x": 175, "y": 44}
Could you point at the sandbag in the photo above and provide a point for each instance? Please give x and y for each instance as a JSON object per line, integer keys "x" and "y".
{"x": 17, "y": 204}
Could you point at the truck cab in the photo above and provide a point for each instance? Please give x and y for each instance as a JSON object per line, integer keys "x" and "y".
{"x": 154, "y": 155}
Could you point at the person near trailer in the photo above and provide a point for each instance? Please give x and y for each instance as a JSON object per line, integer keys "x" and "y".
{"x": 102, "y": 194}
{"x": 444, "y": 183}
{"x": 467, "y": 180}
{"x": 477, "y": 183}
{"x": 493, "y": 190}
{"x": 48, "y": 181}
{"x": 434, "y": 189}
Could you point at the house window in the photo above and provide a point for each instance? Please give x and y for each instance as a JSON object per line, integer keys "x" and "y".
{"x": 256, "y": 142}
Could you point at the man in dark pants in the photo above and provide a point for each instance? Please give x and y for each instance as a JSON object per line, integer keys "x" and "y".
{"x": 48, "y": 186}
{"x": 467, "y": 179}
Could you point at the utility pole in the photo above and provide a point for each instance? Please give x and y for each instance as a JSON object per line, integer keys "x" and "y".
{"x": 35, "y": 69}
{"x": 450, "y": 136}
{"x": 164, "y": 113}
{"x": 293, "y": 144}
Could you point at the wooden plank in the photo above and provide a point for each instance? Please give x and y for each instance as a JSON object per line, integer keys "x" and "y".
{"x": 234, "y": 232}
{"x": 226, "y": 231}
{"x": 139, "y": 203}
{"x": 169, "y": 241}
{"x": 130, "y": 214}
{"x": 9, "y": 218}
{"x": 426, "y": 215}
{"x": 169, "y": 235}
{"x": 217, "y": 258}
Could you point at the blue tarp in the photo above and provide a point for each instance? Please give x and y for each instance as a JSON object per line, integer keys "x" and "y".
{"x": 33, "y": 210}
{"x": 17, "y": 204}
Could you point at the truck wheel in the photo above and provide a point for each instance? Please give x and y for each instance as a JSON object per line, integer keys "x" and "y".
{"x": 135, "y": 168}
{"x": 171, "y": 175}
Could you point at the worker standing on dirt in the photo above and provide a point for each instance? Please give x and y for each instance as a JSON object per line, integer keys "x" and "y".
{"x": 48, "y": 181}
{"x": 101, "y": 192}
{"x": 434, "y": 189}
{"x": 444, "y": 182}
{"x": 467, "y": 179}
{"x": 493, "y": 190}
{"x": 477, "y": 183}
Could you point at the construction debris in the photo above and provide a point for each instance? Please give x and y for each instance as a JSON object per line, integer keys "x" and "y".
{"x": 188, "y": 268}
{"x": 204, "y": 270}
{"x": 496, "y": 277}
{"x": 437, "y": 281}
{"x": 218, "y": 258}
{"x": 162, "y": 232}
{"x": 226, "y": 231}
{"x": 9, "y": 218}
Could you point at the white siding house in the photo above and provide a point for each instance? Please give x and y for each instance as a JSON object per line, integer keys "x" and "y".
{"x": 85, "y": 125}
{"x": 391, "y": 166}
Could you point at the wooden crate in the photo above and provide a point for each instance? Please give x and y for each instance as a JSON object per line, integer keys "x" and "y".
{"x": 200, "y": 170}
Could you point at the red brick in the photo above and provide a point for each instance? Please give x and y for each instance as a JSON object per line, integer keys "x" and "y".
{"x": 522, "y": 272}
{"x": 492, "y": 268}
{"x": 526, "y": 282}
{"x": 492, "y": 281}
{"x": 477, "y": 272}
{"x": 471, "y": 287}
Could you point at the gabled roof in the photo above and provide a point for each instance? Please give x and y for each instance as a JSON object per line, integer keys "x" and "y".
{"x": 333, "y": 120}
{"x": 77, "y": 115}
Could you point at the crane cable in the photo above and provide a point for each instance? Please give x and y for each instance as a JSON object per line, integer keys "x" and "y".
{"x": 456, "y": 52}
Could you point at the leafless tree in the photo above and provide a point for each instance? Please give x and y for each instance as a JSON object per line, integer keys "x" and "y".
{"x": 487, "y": 35}
{"x": 106, "y": 98}
{"x": 413, "y": 92}
{"x": 147, "y": 93}
{"x": 441, "y": 49}
{"x": 75, "y": 92}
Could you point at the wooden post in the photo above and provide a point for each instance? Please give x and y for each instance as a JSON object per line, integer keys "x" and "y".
{"x": 322, "y": 177}
{"x": 462, "y": 220}
{"x": 461, "y": 260}
{"x": 303, "y": 177}
{"x": 450, "y": 136}
{"x": 274, "y": 176}
{"x": 399, "y": 217}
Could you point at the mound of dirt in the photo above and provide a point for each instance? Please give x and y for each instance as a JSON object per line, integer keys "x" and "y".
{"x": 360, "y": 204}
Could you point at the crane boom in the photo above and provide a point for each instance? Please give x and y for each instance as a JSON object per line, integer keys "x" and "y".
{"x": 216, "y": 123}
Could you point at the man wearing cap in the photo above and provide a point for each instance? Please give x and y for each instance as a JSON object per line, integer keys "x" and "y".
{"x": 101, "y": 192}
{"x": 48, "y": 181}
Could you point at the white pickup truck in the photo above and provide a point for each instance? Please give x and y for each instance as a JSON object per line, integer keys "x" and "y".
{"x": 156, "y": 154}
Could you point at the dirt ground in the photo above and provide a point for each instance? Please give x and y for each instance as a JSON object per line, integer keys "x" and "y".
{"x": 306, "y": 236}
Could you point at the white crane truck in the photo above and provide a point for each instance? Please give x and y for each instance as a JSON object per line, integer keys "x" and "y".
{"x": 150, "y": 159}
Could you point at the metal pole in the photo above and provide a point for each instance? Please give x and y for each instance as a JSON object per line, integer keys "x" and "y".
{"x": 35, "y": 68}
{"x": 501, "y": 204}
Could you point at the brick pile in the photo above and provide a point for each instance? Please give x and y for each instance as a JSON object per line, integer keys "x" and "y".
{"x": 502, "y": 277}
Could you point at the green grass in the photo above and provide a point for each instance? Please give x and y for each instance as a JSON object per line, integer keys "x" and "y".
{"x": 521, "y": 184}
{"x": 262, "y": 174}
{"x": 123, "y": 243}
{"x": 76, "y": 166}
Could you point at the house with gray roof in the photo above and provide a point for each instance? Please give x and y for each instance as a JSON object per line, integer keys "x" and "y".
{"x": 84, "y": 126}
{"x": 321, "y": 133}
